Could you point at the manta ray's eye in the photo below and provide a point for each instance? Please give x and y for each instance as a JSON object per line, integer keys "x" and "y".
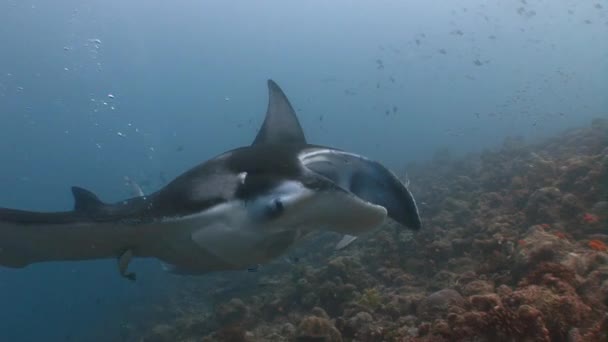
{"x": 274, "y": 209}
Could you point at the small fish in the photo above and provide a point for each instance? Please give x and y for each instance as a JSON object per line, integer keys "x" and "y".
{"x": 346, "y": 241}
{"x": 123, "y": 265}
{"x": 292, "y": 260}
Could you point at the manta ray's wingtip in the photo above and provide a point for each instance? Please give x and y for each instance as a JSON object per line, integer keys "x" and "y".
{"x": 273, "y": 87}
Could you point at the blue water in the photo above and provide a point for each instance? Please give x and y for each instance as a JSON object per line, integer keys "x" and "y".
{"x": 187, "y": 80}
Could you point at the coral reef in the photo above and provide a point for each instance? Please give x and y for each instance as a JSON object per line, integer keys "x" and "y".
{"x": 313, "y": 328}
{"x": 514, "y": 248}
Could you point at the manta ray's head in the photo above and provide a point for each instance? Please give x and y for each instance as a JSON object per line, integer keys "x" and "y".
{"x": 284, "y": 195}
{"x": 291, "y": 184}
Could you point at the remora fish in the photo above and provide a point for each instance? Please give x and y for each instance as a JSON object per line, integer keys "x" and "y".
{"x": 241, "y": 208}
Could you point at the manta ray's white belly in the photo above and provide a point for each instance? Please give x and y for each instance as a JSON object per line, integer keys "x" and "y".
{"x": 227, "y": 232}
{"x": 241, "y": 233}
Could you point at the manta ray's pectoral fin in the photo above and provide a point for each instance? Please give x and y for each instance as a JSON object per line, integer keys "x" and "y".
{"x": 123, "y": 264}
{"x": 281, "y": 124}
{"x": 345, "y": 242}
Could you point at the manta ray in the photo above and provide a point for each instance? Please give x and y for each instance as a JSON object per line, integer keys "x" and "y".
{"x": 244, "y": 207}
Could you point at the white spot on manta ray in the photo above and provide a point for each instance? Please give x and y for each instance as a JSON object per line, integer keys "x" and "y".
{"x": 242, "y": 176}
{"x": 321, "y": 155}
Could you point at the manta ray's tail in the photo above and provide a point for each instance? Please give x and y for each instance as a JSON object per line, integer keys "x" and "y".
{"x": 27, "y": 237}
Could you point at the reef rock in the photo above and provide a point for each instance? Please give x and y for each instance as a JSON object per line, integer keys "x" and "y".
{"x": 438, "y": 304}
{"x": 314, "y": 328}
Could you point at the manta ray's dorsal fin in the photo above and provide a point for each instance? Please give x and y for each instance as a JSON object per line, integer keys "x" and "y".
{"x": 281, "y": 124}
{"x": 85, "y": 200}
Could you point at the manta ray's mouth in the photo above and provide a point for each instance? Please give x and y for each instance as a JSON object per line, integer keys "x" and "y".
{"x": 347, "y": 213}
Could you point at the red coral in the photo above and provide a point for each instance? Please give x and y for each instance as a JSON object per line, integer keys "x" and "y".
{"x": 501, "y": 323}
{"x": 597, "y": 245}
{"x": 561, "y": 235}
{"x": 550, "y": 273}
{"x": 559, "y": 304}
{"x": 590, "y": 218}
